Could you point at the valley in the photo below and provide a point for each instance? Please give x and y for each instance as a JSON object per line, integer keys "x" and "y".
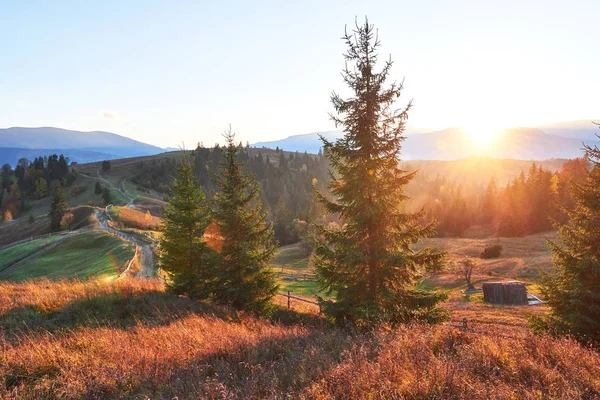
{"x": 299, "y": 200}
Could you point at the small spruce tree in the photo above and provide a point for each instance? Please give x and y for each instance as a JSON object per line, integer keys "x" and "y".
{"x": 58, "y": 208}
{"x": 370, "y": 264}
{"x": 106, "y": 195}
{"x": 245, "y": 280}
{"x": 573, "y": 291}
{"x": 184, "y": 255}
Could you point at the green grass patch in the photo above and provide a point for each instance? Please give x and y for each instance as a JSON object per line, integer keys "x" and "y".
{"x": 15, "y": 253}
{"x": 301, "y": 287}
{"x": 116, "y": 198}
{"x": 82, "y": 256}
{"x": 291, "y": 257}
{"x": 291, "y": 261}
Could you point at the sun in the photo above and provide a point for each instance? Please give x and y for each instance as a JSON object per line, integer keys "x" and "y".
{"x": 482, "y": 135}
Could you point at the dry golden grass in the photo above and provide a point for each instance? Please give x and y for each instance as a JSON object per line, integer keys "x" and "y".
{"x": 129, "y": 339}
{"x": 131, "y": 218}
{"x": 154, "y": 206}
{"x": 522, "y": 258}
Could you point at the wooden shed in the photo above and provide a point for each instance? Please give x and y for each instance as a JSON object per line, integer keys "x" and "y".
{"x": 509, "y": 292}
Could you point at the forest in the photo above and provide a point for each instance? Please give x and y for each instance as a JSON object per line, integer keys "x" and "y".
{"x": 528, "y": 203}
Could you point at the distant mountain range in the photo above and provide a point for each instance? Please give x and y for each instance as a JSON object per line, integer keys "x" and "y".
{"x": 81, "y": 147}
{"x": 559, "y": 140}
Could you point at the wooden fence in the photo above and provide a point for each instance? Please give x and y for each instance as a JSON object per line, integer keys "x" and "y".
{"x": 290, "y": 297}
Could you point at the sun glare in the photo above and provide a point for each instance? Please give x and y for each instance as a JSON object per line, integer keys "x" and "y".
{"x": 483, "y": 135}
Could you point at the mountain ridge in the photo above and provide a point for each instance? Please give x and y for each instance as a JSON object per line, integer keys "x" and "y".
{"x": 528, "y": 143}
{"x": 30, "y": 142}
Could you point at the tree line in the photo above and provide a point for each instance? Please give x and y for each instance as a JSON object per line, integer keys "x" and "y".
{"x": 528, "y": 204}
{"x": 285, "y": 181}
{"x": 32, "y": 180}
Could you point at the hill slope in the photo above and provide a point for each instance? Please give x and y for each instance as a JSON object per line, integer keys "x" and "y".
{"x": 130, "y": 339}
{"x": 82, "y": 256}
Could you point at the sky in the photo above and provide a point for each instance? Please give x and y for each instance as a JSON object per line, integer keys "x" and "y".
{"x": 175, "y": 73}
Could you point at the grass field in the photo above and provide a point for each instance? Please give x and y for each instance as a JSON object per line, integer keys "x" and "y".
{"x": 20, "y": 251}
{"x": 82, "y": 256}
{"x": 523, "y": 259}
{"x": 130, "y": 339}
{"x": 291, "y": 264}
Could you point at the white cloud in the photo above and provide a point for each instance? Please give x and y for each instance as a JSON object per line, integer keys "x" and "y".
{"x": 109, "y": 114}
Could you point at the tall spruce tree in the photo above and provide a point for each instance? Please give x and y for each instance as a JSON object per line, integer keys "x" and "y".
{"x": 184, "y": 255}
{"x": 573, "y": 292}
{"x": 244, "y": 278}
{"x": 370, "y": 264}
{"x": 58, "y": 208}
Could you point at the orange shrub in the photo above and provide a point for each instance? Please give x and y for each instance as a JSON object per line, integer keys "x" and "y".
{"x": 131, "y": 218}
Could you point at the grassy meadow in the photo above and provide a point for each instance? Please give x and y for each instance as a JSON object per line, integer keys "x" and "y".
{"x": 294, "y": 274}
{"x": 130, "y": 339}
{"x": 15, "y": 253}
{"x": 82, "y": 256}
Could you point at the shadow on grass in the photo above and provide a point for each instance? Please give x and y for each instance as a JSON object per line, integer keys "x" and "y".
{"x": 116, "y": 309}
{"x": 275, "y": 367}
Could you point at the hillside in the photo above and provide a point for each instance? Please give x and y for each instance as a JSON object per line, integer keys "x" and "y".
{"x": 18, "y": 142}
{"x": 82, "y": 256}
{"x": 130, "y": 339}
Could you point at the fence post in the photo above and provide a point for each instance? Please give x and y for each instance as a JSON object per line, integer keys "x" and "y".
{"x": 288, "y": 299}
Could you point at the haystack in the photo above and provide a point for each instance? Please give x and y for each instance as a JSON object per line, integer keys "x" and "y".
{"x": 509, "y": 292}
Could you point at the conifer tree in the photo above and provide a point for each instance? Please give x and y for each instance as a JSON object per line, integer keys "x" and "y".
{"x": 244, "y": 278}
{"x": 58, "y": 208}
{"x": 106, "y": 195}
{"x": 490, "y": 203}
{"x": 370, "y": 264}
{"x": 573, "y": 292}
{"x": 184, "y": 254}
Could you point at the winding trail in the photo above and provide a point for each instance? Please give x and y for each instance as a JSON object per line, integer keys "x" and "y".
{"x": 143, "y": 249}
{"x": 121, "y": 189}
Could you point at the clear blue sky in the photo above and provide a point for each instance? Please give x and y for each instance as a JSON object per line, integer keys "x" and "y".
{"x": 170, "y": 71}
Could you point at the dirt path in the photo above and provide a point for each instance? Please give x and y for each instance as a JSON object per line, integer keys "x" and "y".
{"x": 146, "y": 262}
{"x": 146, "y": 255}
{"x": 120, "y": 189}
{"x": 144, "y": 251}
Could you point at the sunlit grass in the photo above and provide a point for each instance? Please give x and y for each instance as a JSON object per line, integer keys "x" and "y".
{"x": 82, "y": 256}
{"x": 130, "y": 339}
